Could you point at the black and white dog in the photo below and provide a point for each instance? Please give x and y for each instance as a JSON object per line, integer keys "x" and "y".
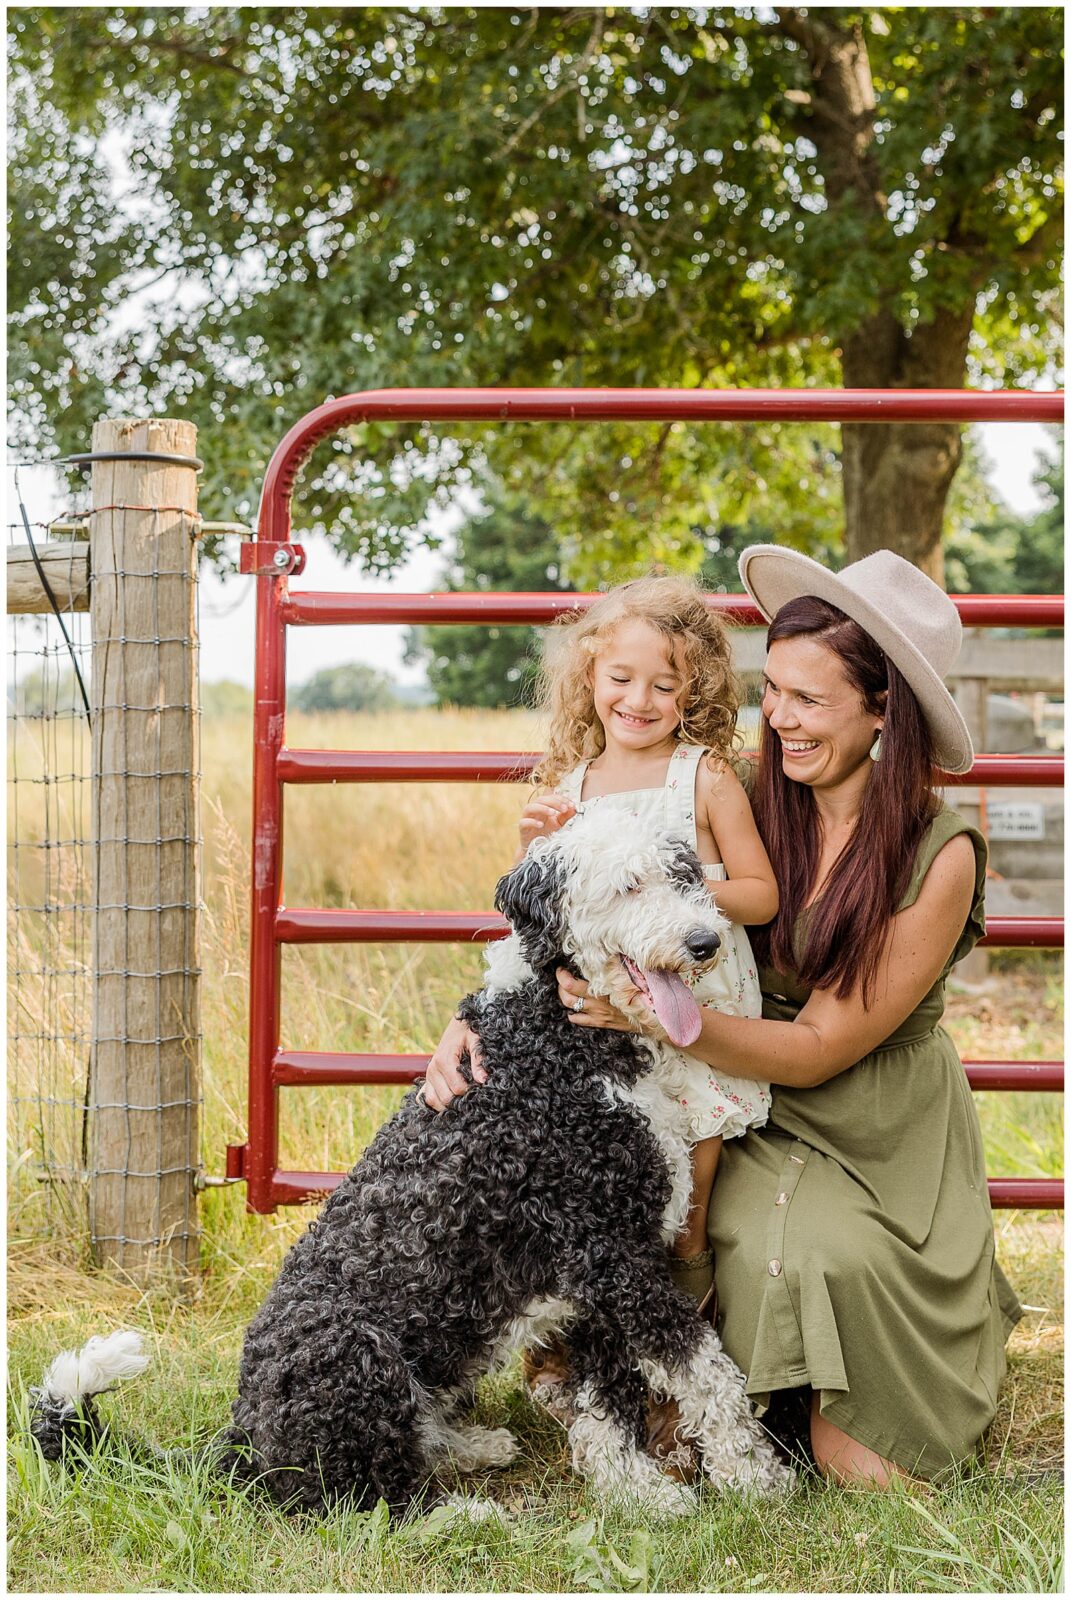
{"x": 541, "y": 1202}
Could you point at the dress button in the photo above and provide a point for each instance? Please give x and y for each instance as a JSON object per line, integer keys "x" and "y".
{"x": 781, "y": 1199}
{"x": 774, "y": 1269}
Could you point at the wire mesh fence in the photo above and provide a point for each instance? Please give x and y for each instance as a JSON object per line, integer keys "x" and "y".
{"x": 104, "y": 896}
{"x": 50, "y": 916}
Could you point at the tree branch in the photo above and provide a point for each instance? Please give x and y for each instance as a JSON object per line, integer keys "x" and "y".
{"x": 570, "y": 83}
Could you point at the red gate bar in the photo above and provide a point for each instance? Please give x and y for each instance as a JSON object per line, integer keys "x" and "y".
{"x": 1026, "y": 1194}
{"x": 403, "y": 766}
{"x": 313, "y": 607}
{"x": 1029, "y": 1075}
{"x": 315, "y": 926}
{"x": 310, "y": 1068}
{"x": 514, "y": 766}
{"x": 1005, "y": 1194}
{"x": 312, "y": 925}
{"x": 272, "y": 924}
{"x": 632, "y": 405}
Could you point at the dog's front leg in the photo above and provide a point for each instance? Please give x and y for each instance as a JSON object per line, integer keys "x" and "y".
{"x": 466, "y": 1447}
{"x": 619, "y": 1467}
{"x": 607, "y": 1399}
{"x": 709, "y": 1390}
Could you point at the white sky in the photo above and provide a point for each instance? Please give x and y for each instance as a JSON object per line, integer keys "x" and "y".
{"x": 1012, "y": 449}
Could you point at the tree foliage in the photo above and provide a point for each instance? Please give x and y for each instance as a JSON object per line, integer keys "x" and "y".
{"x": 350, "y": 687}
{"x": 1007, "y": 553}
{"x": 320, "y": 200}
{"x": 501, "y": 548}
{"x": 222, "y": 697}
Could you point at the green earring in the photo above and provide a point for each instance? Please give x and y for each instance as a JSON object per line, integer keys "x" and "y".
{"x": 875, "y": 748}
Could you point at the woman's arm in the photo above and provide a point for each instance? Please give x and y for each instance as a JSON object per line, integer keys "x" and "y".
{"x": 443, "y": 1081}
{"x": 750, "y": 895}
{"x": 830, "y": 1035}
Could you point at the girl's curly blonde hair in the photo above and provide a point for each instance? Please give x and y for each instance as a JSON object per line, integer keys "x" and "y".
{"x": 697, "y": 644}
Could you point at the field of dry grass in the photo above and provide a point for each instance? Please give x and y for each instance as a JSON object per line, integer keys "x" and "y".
{"x": 425, "y": 846}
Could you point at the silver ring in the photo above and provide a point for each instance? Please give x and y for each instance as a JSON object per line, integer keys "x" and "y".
{"x": 577, "y": 1005}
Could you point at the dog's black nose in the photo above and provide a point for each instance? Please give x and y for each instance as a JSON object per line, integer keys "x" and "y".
{"x": 702, "y": 944}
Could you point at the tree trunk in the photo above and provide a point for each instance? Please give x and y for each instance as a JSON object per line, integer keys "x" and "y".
{"x": 896, "y": 475}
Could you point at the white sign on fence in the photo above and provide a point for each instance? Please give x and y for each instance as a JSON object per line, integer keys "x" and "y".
{"x": 1016, "y": 820}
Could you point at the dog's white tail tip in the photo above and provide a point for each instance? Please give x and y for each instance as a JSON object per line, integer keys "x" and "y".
{"x": 105, "y": 1359}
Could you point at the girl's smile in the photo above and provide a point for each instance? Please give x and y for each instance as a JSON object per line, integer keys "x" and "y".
{"x": 636, "y": 688}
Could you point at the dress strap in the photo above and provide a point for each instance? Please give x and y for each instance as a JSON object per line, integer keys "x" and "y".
{"x": 572, "y": 783}
{"x": 680, "y": 790}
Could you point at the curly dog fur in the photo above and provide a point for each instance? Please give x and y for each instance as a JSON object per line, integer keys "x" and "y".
{"x": 539, "y": 1203}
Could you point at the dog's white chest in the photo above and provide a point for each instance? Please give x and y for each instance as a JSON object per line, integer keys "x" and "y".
{"x": 656, "y": 1096}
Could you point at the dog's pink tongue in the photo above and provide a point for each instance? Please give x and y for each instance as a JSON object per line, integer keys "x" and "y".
{"x": 674, "y": 1006}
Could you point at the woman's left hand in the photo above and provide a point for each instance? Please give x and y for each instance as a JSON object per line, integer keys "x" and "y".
{"x": 597, "y": 1013}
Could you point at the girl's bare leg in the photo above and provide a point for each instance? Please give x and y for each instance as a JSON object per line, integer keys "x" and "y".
{"x": 692, "y": 1239}
{"x": 693, "y": 1267}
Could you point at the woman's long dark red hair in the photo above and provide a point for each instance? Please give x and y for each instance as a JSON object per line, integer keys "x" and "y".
{"x": 847, "y": 926}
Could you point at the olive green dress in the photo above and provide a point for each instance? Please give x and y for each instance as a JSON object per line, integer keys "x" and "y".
{"x": 853, "y": 1235}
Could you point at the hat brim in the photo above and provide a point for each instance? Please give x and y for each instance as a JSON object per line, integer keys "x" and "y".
{"x": 773, "y": 576}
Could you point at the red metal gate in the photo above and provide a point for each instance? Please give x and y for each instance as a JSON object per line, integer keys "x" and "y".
{"x": 273, "y": 559}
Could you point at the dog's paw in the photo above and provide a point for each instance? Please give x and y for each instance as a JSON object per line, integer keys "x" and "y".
{"x": 762, "y": 1472}
{"x": 659, "y": 1496}
{"x": 474, "y": 1507}
{"x": 474, "y": 1448}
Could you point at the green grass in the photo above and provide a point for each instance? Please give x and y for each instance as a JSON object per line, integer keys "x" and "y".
{"x": 116, "y": 1526}
{"x": 112, "y": 1525}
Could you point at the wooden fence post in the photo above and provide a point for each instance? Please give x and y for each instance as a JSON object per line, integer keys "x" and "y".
{"x": 145, "y": 1075}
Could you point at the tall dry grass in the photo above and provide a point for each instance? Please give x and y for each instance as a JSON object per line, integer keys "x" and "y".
{"x": 432, "y": 846}
{"x": 407, "y": 846}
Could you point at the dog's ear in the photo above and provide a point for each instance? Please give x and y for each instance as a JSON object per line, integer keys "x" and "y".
{"x": 530, "y": 897}
{"x": 684, "y": 867}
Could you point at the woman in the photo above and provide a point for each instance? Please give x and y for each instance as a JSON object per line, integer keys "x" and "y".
{"x": 852, "y": 1236}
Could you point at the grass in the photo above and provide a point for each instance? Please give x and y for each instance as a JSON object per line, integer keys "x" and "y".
{"x": 117, "y": 1526}
{"x": 114, "y": 1525}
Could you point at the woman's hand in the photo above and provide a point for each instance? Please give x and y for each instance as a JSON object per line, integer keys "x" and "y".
{"x": 543, "y": 816}
{"x": 597, "y": 1013}
{"x": 443, "y": 1082}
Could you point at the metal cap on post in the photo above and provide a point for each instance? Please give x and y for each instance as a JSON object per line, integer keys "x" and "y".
{"x": 145, "y": 1080}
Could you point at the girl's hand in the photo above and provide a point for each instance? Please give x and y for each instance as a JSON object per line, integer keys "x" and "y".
{"x": 443, "y": 1082}
{"x": 544, "y": 816}
{"x": 597, "y": 1013}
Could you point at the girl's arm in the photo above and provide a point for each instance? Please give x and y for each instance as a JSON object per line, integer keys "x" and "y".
{"x": 541, "y": 817}
{"x": 830, "y": 1035}
{"x": 750, "y": 895}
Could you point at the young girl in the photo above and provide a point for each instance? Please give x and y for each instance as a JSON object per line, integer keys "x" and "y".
{"x": 642, "y": 708}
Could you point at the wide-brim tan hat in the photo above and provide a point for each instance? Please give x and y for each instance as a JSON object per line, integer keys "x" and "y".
{"x": 902, "y": 610}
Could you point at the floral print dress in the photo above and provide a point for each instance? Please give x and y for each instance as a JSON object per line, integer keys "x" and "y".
{"x": 716, "y": 1103}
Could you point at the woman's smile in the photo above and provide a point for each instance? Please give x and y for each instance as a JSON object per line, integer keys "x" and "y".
{"x": 824, "y": 730}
